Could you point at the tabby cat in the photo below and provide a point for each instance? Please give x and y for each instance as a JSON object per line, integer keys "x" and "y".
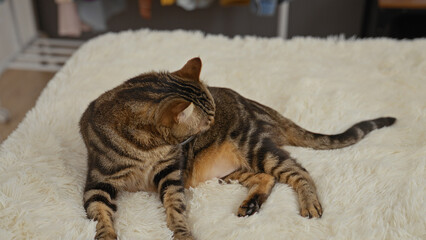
{"x": 163, "y": 131}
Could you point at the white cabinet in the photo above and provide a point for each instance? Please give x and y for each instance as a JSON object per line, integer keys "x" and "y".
{"x": 17, "y": 28}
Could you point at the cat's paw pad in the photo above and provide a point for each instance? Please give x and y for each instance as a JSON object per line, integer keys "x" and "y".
{"x": 311, "y": 209}
{"x": 249, "y": 207}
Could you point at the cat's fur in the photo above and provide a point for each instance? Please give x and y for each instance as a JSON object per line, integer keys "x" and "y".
{"x": 165, "y": 131}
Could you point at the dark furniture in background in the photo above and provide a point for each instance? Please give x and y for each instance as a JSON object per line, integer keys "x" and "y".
{"x": 322, "y": 18}
{"x": 318, "y": 18}
{"x": 229, "y": 21}
{"x": 395, "y": 18}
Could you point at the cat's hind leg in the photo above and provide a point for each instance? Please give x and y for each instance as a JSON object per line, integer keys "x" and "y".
{"x": 276, "y": 162}
{"x": 259, "y": 185}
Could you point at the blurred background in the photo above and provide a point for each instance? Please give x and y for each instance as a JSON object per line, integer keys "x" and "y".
{"x": 38, "y": 36}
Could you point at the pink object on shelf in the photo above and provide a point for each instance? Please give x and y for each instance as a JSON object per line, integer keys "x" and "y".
{"x": 69, "y": 23}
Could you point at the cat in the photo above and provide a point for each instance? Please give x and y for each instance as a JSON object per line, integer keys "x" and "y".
{"x": 166, "y": 131}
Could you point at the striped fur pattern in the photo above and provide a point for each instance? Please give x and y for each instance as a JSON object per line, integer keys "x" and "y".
{"x": 135, "y": 132}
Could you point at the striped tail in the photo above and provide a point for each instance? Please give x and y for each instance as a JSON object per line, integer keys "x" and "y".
{"x": 297, "y": 136}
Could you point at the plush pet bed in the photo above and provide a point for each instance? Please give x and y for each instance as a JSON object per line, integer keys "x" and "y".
{"x": 372, "y": 190}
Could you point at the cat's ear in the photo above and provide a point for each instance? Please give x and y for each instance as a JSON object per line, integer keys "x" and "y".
{"x": 184, "y": 114}
{"x": 176, "y": 112}
{"x": 191, "y": 70}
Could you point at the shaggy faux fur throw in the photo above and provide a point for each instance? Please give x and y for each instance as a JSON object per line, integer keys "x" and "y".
{"x": 372, "y": 190}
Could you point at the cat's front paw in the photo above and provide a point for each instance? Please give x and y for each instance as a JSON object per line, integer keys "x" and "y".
{"x": 311, "y": 208}
{"x": 106, "y": 236}
{"x": 183, "y": 236}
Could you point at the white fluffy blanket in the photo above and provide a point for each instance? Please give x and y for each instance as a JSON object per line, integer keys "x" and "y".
{"x": 372, "y": 190}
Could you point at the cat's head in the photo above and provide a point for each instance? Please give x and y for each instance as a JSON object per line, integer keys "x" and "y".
{"x": 190, "y": 109}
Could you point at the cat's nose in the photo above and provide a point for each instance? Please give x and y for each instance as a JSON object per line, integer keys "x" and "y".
{"x": 211, "y": 121}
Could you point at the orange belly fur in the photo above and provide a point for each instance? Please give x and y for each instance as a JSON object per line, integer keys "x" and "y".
{"x": 217, "y": 161}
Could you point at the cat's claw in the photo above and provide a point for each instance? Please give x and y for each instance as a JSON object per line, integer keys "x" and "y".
{"x": 311, "y": 209}
{"x": 248, "y": 208}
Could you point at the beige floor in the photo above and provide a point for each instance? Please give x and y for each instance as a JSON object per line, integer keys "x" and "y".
{"x": 19, "y": 91}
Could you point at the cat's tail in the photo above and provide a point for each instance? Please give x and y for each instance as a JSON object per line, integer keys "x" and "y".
{"x": 297, "y": 136}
